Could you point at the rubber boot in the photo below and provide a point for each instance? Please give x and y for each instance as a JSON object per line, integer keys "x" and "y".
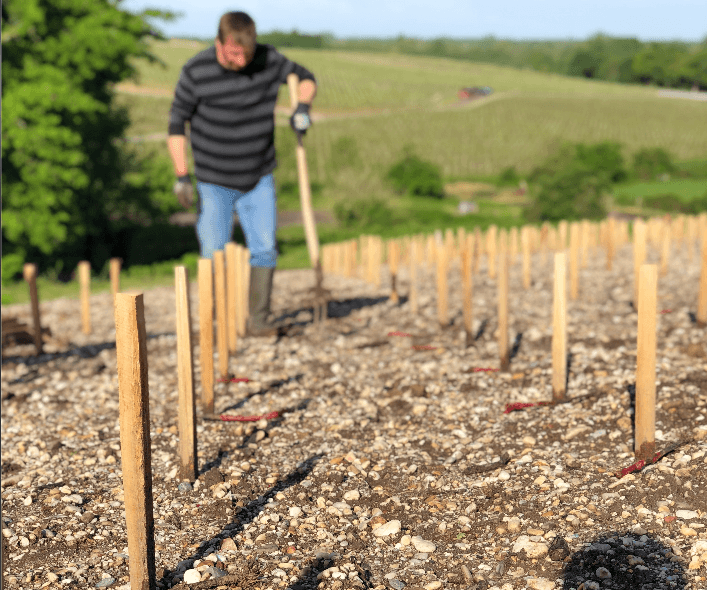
{"x": 259, "y": 302}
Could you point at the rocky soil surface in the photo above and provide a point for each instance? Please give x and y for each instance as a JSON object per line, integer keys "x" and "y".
{"x": 391, "y": 464}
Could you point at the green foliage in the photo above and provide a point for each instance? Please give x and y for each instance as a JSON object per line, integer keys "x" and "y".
{"x": 367, "y": 213}
{"x": 345, "y": 153}
{"x": 508, "y": 177}
{"x": 63, "y": 170}
{"x": 12, "y": 267}
{"x": 573, "y": 183}
{"x": 650, "y": 163}
{"x": 291, "y": 39}
{"x": 414, "y": 176}
{"x": 673, "y": 204}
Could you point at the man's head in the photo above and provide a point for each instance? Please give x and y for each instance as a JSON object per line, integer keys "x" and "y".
{"x": 235, "y": 43}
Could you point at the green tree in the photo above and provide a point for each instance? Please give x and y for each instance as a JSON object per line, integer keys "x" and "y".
{"x": 65, "y": 173}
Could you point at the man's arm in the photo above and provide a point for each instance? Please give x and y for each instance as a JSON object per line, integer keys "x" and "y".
{"x": 307, "y": 91}
{"x": 177, "y": 145}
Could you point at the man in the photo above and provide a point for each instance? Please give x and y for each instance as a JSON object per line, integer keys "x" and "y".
{"x": 228, "y": 94}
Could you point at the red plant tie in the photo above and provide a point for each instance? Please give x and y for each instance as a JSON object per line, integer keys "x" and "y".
{"x": 519, "y": 406}
{"x": 229, "y": 418}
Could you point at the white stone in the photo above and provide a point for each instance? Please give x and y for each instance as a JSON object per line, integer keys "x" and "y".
{"x": 192, "y": 576}
{"x": 352, "y": 495}
{"x": 532, "y": 549}
{"x": 504, "y": 475}
{"x": 391, "y": 527}
{"x": 295, "y": 511}
{"x": 687, "y": 514}
{"x": 540, "y": 584}
{"x": 433, "y": 585}
{"x": 513, "y": 524}
{"x": 422, "y": 545}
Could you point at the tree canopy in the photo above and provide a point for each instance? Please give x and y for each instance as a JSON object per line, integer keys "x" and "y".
{"x": 64, "y": 171}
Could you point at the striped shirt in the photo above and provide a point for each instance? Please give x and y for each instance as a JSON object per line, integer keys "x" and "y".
{"x": 231, "y": 115}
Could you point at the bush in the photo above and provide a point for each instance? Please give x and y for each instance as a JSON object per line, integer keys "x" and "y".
{"x": 12, "y": 267}
{"x": 508, "y": 177}
{"x": 650, "y": 163}
{"x": 365, "y": 213}
{"x": 414, "y": 176}
{"x": 673, "y": 204}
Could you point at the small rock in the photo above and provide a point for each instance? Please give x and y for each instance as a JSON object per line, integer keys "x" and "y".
{"x": 433, "y": 585}
{"x": 531, "y": 549}
{"x": 687, "y": 531}
{"x": 184, "y": 487}
{"x": 513, "y": 524}
{"x": 105, "y": 582}
{"x": 559, "y": 549}
{"x": 192, "y": 576}
{"x": 352, "y": 495}
{"x": 540, "y": 584}
{"x": 87, "y": 517}
{"x": 504, "y": 475}
{"x": 228, "y": 544}
{"x": 396, "y": 584}
{"x": 391, "y": 527}
{"x": 422, "y": 545}
{"x": 603, "y": 573}
{"x": 294, "y": 511}
{"x": 687, "y": 514}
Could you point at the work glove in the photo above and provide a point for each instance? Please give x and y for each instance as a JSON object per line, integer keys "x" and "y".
{"x": 184, "y": 190}
{"x": 300, "y": 120}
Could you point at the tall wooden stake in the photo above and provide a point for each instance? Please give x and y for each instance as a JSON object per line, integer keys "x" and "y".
{"x": 503, "y": 348}
{"x": 414, "y": 246}
{"x": 442, "y": 289}
{"x": 702, "y": 295}
{"x": 491, "y": 244}
{"x": 232, "y": 294}
{"x": 393, "y": 257}
{"x": 221, "y": 327}
{"x": 115, "y": 264}
{"x": 644, "y": 445}
{"x": 85, "y": 283}
{"x": 525, "y": 247}
{"x": 664, "y": 248}
{"x": 206, "y": 333}
{"x": 610, "y": 242}
{"x": 574, "y": 261}
{"x": 185, "y": 379}
{"x": 467, "y": 254}
{"x": 244, "y": 290}
{"x": 133, "y": 394}
{"x": 559, "y": 330}
{"x": 29, "y": 271}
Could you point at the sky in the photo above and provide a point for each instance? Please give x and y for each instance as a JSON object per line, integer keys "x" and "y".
{"x": 646, "y": 20}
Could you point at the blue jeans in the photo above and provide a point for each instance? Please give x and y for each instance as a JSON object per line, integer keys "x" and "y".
{"x": 257, "y": 215}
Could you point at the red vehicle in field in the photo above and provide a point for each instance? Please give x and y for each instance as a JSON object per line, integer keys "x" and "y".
{"x": 474, "y": 92}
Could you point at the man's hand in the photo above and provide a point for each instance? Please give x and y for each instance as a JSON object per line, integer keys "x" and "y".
{"x": 185, "y": 191}
{"x": 300, "y": 120}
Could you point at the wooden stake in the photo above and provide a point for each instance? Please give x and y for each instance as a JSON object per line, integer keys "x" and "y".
{"x": 559, "y": 330}
{"x": 644, "y": 445}
{"x": 29, "y": 271}
{"x": 702, "y": 296}
{"x": 664, "y": 248}
{"x": 513, "y": 245}
{"x": 639, "y": 253}
{"x": 562, "y": 233}
{"x": 393, "y": 256}
{"x": 491, "y": 245}
{"x": 610, "y": 238}
{"x": 414, "y": 253}
{"x": 232, "y": 295}
{"x": 206, "y": 333}
{"x": 525, "y": 246}
{"x": 185, "y": 377}
{"x": 479, "y": 246}
{"x": 221, "y": 327}
{"x": 503, "y": 348}
{"x": 115, "y": 264}
{"x": 467, "y": 287}
{"x": 442, "y": 291}
{"x": 244, "y": 289}
{"x": 574, "y": 261}
{"x": 585, "y": 229}
{"x": 85, "y": 282}
{"x": 134, "y": 418}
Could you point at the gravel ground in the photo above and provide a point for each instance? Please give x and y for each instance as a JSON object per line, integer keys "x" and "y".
{"x": 392, "y": 463}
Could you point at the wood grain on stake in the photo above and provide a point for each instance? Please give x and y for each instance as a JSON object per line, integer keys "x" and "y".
{"x": 414, "y": 246}
{"x": 185, "y": 377}
{"x": 115, "y": 264}
{"x": 559, "y": 329}
{"x": 29, "y": 272}
{"x": 85, "y": 282}
{"x": 639, "y": 253}
{"x": 231, "y": 252}
{"x": 503, "y": 348}
{"x": 133, "y": 393}
{"x": 221, "y": 328}
{"x": 491, "y": 243}
{"x": 574, "y": 261}
{"x": 244, "y": 290}
{"x": 393, "y": 256}
{"x": 525, "y": 247}
{"x": 239, "y": 293}
{"x": 664, "y": 247}
{"x": 206, "y": 333}
{"x": 644, "y": 445}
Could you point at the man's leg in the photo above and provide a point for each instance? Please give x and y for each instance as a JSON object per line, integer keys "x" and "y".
{"x": 214, "y": 227}
{"x": 257, "y": 213}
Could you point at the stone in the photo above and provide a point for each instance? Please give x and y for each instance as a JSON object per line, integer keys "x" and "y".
{"x": 687, "y": 514}
{"x": 184, "y": 487}
{"x": 228, "y": 544}
{"x": 540, "y": 584}
{"x": 391, "y": 527}
{"x": 352, "y": 495}
{"x": 105, "y": 582}
{"x": 422, "y": 545}
{"x": 513, "y": 524}
{"x": 603, "y": 573}
{"x": 433, "y": 585}
{"x": 396, "y": 584}
{"x": 192, "y": 576}
{"x": 531, "y": 549}
{"x": 294, "y": 511}
{"x": 687, "y": 531}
